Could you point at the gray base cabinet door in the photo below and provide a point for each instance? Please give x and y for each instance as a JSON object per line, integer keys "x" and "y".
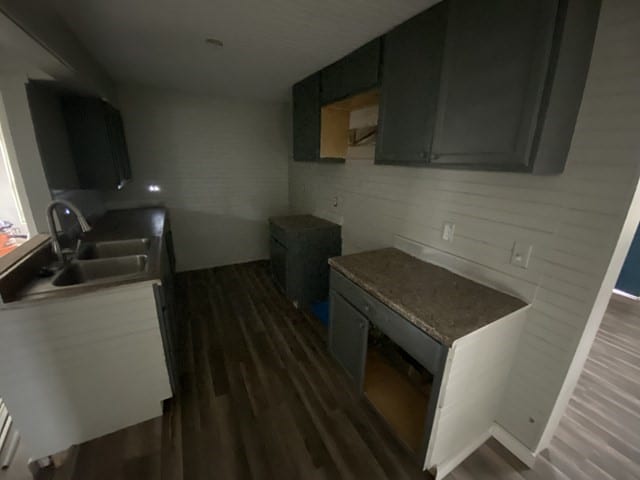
{"x": 348, "y": 334}
{"x": 306, "y": 119}
{"x": 278, "y": 254}
{"x": 496, "y": 59}
{"x": 411, "y": 73}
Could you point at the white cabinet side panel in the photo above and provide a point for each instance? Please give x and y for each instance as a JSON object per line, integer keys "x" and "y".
{"x": 77, "y": 368}
{"x": 473, "y": 386}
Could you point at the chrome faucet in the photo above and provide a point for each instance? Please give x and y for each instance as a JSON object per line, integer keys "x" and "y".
{"x": 55, "y": 239}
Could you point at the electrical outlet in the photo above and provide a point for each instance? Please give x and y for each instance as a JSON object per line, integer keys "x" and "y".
{"x": 521, "y": 254}
{"x": 447, "y": 231}
{"x": 336, "y": 202}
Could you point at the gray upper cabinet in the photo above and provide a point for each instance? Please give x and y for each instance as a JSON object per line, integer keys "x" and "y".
{"x": 357, "y": 72}
{"x": 476, "y": 85}
{"x": 496, "y": 59}
{"x": 306, "y": 119}
{"x": 411, "y": 73}
{"x": 573, "y": 44}
{"x": 98, "y": 144}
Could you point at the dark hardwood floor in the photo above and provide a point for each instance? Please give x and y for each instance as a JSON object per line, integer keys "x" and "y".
{"x": 261, "y": 399}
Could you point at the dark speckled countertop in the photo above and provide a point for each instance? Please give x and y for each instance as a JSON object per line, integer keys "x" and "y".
{"x": 301, "y": 222}
{"x": 441, "y": 303}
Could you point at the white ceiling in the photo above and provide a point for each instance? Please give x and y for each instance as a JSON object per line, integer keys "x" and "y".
{"x": 268, "y": 45}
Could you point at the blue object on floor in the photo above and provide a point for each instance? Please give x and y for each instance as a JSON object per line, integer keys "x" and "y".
{"x": 321, "y": 310}
{"x": 629, "y": 279}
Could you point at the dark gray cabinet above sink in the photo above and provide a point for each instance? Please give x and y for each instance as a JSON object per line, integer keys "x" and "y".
{"x": 98, "y": 144}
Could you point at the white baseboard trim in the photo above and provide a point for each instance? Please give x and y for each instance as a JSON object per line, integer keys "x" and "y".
{"x": 512, "y": 444}
{"x": 625, "y": 294}
{"x": 448, "y": 466}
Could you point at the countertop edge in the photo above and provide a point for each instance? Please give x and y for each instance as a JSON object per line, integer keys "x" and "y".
{"x": 416, "y": 321}
{"x": 411, "y": 318}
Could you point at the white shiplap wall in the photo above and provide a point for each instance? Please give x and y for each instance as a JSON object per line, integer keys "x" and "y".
{"x": 573, "y": 220}
{"x": 221, "y": 165}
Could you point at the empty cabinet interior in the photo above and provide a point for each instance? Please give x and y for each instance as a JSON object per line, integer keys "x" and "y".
{"x": 398, "y": 387}
{"x": 349, "y": 122}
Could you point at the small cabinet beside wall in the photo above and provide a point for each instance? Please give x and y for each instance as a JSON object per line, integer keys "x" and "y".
{"x": 97, "y": 141}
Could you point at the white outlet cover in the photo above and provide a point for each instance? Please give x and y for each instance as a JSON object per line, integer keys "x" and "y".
{"x": 448, "y": 230}
{"x": 521, "y": 254}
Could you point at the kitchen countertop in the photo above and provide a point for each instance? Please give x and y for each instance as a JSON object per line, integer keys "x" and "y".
{"x": 113, "y": 225}
{"x": 442, "y": 304}
{"x": 297, "y": 223}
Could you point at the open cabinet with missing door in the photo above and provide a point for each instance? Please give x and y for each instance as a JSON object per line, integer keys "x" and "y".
{"x": 399, "y": 388}
{"x": 347, "y": 123}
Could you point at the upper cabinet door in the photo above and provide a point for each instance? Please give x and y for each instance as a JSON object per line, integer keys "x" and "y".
{"x": 118, "y": 143}
{"x": 496, "y": 59}
{"x": 97, "y": 142}
{"x": 411, "y": 73}
{"x": 306, "y": 119}
{"x": 355, "y": 73}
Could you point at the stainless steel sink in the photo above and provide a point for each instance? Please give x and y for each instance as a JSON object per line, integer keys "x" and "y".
{"x": 92, "y": 271}
{"x": 112, "y": 249}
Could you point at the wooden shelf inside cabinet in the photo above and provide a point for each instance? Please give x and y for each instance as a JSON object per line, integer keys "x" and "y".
{"x": 335, "y": 124}
{"x": 401, "y": 402}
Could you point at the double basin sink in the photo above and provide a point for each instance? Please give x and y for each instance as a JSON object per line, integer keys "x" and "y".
{"x": 104, "y": 261}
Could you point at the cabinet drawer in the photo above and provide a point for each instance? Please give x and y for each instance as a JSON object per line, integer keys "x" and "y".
{"x": 416, "y": 343}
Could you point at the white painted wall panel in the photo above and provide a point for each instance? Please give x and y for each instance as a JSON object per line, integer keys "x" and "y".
{"x": 477, "y": 370}
{"x": 573, "y": 220}
{"x": 76, "y": 368}
{"x": 221, "y": 164}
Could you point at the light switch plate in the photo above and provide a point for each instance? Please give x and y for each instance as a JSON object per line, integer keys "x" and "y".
{"x": 447, "y": 231}
{"x": 521, "y": 254}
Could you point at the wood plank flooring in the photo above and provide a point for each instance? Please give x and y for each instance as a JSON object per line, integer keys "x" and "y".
{"x": 599, "y": 435}
{"x": 261, "y": 399}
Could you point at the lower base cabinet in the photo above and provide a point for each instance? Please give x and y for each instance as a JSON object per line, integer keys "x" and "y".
{"x": 441, "y": 401}
{"x": 300, "y": 246}
{"x": 396, "y": 366}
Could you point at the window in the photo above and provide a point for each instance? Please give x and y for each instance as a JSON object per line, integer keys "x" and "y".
{"x": 13, "y": 226}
